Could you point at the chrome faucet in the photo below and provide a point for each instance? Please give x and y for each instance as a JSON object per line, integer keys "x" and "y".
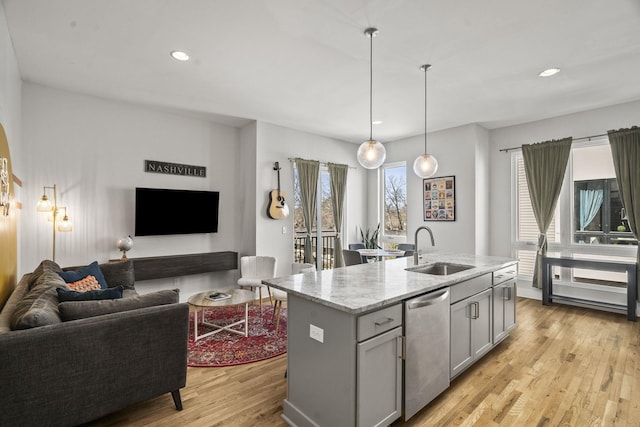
{"x": 415, "y": 242}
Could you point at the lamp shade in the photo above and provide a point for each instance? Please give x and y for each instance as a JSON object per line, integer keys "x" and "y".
{"x": 425, "y": 165}
{"x": 371, "y": 154}
{"x": 44, "y": 204}
{"x": 65, "y": 225}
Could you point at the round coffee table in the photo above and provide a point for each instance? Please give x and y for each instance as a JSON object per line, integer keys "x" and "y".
{"x": 203, "y": 300}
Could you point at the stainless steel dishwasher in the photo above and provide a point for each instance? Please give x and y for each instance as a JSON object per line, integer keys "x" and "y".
{"x": 426, "y": 366}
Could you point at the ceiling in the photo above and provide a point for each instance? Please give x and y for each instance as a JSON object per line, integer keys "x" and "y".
{"x": 304, "y": 64}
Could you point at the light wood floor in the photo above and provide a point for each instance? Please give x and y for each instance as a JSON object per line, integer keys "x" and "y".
{"x": 562, "y": 366}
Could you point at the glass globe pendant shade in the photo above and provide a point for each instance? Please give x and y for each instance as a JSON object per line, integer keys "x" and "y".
{"x": 371, "y": 154}
{"x": 425, "y": 165}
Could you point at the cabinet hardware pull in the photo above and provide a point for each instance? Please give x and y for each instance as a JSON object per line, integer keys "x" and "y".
{"x": 428, "y": 299}
{"x": 402, "y": 350}
{"x": 383, "y": 322}
{"x": 475, "y": 310}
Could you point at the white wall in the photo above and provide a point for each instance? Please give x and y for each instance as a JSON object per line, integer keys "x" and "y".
{"x": 483, "y": 190}
{"x": 246, "y": 173}
{"x": 278, "y": 144}
{"x": 10, "y": 94}
{"x": 458, "y": 151}
{"x": 94, "y": 150}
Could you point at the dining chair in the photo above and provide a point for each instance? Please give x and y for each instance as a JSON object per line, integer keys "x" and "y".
{"x": 351, "y": 257}
{"x": 355, "y": 247}
{"x": 281, "y": 296}
{"x": 408, "y": 248}
{"x": 255, "y": 268}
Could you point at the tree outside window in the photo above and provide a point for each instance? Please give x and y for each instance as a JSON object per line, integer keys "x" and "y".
{"x": 394, "y": 212}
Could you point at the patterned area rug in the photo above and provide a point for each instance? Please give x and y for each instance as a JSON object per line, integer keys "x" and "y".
{"x": 228, "y": 349}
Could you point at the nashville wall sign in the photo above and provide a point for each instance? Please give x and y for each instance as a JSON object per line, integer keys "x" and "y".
{"x": 154, "y": 166}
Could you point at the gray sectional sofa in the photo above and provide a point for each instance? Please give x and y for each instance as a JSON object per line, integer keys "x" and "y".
{"x": 67, "y": 363}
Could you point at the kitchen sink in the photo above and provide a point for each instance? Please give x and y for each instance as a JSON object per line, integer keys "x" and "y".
{"x": 439, "y": 268}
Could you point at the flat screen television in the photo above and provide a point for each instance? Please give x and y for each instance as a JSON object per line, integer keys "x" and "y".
{"x": 162, "y": 211}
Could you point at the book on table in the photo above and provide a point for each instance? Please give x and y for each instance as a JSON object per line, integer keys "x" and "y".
{"x": 217, "y": 296}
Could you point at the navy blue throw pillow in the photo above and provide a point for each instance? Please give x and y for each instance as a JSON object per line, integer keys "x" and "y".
{"x": 92, "y": 269}
{"x": 100, "y": 294}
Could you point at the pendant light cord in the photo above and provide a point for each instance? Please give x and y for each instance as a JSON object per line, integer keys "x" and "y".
{"x": 371, "y": 87}
{"x": 426, "y": 68}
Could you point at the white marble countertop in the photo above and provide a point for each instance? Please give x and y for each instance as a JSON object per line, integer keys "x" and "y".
{"x": 360, "y": 288}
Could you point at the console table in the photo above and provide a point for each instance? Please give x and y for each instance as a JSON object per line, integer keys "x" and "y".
{"x": 617, "y": 266}
{"x": 182, "y": 265}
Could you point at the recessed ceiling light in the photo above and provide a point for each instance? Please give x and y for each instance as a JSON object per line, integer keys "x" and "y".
{"x": 549, "y": 72}
{"x": 179, "y": 55}
{"x": 376, "y": 122}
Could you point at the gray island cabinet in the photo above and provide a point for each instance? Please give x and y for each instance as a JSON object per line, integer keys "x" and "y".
{"x": 347, "y": 335}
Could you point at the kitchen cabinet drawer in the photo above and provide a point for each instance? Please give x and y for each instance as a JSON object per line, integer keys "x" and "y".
{"x": 504, "y": 274}
{"x": 379, "y": 321}
{"x": 470, "y": 287}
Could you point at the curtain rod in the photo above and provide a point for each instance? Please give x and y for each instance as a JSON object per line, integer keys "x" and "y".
{"x": 292, "y": 159}
{"x": 584, "y": 138}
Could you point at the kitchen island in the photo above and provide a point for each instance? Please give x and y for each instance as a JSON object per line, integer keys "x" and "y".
{"x": 347, "y": 345}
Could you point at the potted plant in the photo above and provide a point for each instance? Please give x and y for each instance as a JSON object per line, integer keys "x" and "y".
{"x": 369, "y": 237}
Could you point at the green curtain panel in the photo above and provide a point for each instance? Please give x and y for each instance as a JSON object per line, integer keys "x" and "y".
{"x": 308, "y": 171}
{"x": 544, "y": 164}
{"x": 625, "y": 150}
{"x": 338, "y": 174}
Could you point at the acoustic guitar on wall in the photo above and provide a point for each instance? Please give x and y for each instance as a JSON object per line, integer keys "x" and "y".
{"x": 278, "y": 208}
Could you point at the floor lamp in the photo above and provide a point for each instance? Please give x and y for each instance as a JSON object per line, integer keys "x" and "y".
{"x": 63, "y": 224}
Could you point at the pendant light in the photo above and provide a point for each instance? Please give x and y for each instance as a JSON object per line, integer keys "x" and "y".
{"x": 425, "y": 164}
{"x": 371, "y": 153}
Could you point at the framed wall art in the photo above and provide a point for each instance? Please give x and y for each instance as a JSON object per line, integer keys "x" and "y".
{"x": 439, "y": 195}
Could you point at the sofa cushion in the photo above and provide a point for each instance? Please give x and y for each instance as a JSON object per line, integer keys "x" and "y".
{"x": 44, "y": 267}
{"x": 92, "y": 295}
{"x": 10, "y": 306}
{"x": 89, "y": 283}
{"x": 119, "y": 273}
{"x": 73, "y": 310}
{"x": 39, "y": 306}
{"x": 93, "y": 269}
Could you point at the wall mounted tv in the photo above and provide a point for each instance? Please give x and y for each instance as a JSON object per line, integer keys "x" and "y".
{"x": 162, "y": 211}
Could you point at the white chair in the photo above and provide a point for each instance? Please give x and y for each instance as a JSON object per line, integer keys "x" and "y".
{"x": 302, "y": 267}
{"x": 281, "y": 296}
{"x": 255, "y": 268}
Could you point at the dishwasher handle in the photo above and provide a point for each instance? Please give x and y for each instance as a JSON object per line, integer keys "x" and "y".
{"x": 429, "y": 299}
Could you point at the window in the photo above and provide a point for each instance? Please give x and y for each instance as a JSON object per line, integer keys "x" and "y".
{"x": 599, "y": 216}
{"x": 589, "y": 220}
{"x": 322, "y": 240}
{"x": 394, "y": 209}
